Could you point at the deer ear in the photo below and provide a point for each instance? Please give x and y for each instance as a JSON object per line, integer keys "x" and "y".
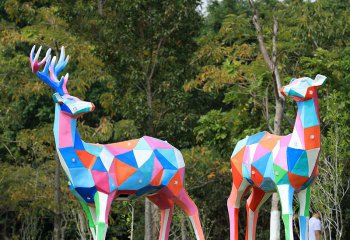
{"x": 57, "y": 98}
{"x": 319, "y": 80}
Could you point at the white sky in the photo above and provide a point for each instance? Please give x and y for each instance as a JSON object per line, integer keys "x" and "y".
{"x": 205, "y": 3}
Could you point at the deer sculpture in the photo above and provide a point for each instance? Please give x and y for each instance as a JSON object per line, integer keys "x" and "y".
{"x": 98, "y": 174}
{"x": 269, "y": 163}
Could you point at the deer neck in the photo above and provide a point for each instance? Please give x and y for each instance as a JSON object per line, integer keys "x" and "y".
{"x": 65, "y": 129}
{"x": 306, "y": 132}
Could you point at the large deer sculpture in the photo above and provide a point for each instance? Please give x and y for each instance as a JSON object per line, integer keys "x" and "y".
{"x": 287, "y": 164}
{"x": 98, "y": 174}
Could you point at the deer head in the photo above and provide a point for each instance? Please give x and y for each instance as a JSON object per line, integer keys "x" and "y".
{"x": 69, "y": 105}
{"x": 302, "y": 89}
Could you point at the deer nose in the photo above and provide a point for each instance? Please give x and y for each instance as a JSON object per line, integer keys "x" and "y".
{"x": 92, "y": 107}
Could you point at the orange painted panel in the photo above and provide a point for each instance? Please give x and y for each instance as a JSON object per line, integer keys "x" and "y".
{"x": 269, "y": 141}
{"x": 86, "y": 158}
{"x": 312, "y": 137}
{"x": 175, "y": 184}
{"x": 123, "y": 171}
{"x": 257, "y": 178}
{"x": 296, "y": 180}
{"x": 126, "y": 144}
{"x": 156, "y": 181}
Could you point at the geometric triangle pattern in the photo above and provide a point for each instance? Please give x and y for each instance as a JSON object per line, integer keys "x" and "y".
{"x": 264, "y": 158}
{"x": 285, "y": 164}
{"x": 136, "y": 167}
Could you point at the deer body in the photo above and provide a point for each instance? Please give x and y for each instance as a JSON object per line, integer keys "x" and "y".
{"x": 269, "y": 163}
{"x": 98, "y": 174}
{"x": 136, "y": 167}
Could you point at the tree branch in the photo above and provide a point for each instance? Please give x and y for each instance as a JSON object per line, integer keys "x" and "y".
{"x": 274, "y": 59}
{"x": 260, "y": 37}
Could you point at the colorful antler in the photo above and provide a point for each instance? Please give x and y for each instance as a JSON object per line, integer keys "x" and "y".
{"x": 51, "y": 69}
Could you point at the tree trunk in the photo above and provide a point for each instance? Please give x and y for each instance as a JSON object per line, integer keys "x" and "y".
{"x": 149, "y": 228}
{"x": 275, "y": 223}
{"x": 275, "y": 214}
{"x": 148, "y": 219}
{"x": 151, "y": 210}
{"x": 132, "y": 222}
{"x": 183, "y": 228}
{"x": 155, "y": 221}
{"x": 82, "y": 225}
{"x": 100, "y": 4}
{"x": 151, "y": 220}
{"x": 58, "y": 208}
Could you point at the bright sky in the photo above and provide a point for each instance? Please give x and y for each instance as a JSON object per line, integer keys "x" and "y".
{"x": 205, "y": 3}
{"x": 203, "y": 9}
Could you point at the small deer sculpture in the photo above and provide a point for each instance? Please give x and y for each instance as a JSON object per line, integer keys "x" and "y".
{"x": 287, "y": 164}
{"x": 98, "y": 174}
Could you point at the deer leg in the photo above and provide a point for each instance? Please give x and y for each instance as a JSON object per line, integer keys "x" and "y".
{"x": 304, "y": 200}
{"x": 256, "y": 199}
{"x": 89, "y": 211}
{"x": 189, "y": 207}
{"x": 167, "y": 207}
{"x": 103, "y": 204}
{"x": 286, "y": 192}
{"x": 91, "y": 214}
{"x": 233, "y": 204}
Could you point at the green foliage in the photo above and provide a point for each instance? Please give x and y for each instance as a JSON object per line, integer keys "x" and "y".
{"x": 212, "y": 128}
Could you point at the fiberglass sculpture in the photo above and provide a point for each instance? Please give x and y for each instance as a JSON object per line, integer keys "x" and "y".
{"x": 98, "y": 173}
{"x": 269, "y": 163}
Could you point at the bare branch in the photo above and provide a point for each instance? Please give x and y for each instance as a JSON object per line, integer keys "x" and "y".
{"x": 274, "y": 60}
{"x": 260, "y": 37}
{"x": 155, "y": 61}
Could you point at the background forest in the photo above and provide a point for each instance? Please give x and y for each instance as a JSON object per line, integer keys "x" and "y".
{"x": 166, "y": 69}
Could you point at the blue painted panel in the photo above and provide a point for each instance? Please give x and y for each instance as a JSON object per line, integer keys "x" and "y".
{"x": 293, "y": 155}
{"x": 128, "y": 158}
{"x": 78, "y": 143}
{"x": 242, "y": 143}
{"x": 261, "y": 164}
{"x": 142, "y": 145}
{"x": 269, "y": 171}
{"x": 302, "y": 166}
{"x": 165, "y": 163}
{"x": 284, "y": 179}
{"x": 112, "y": 185}
{"x": 169, "y": 155}
{"x": 98, "y": 165}
{"x": 245, "y": 172}
{"x": 307, "y": 112}
{"x": 82, "y": 177}
{"x": 140, "y": 179}
{"x": 71, "y": 158}
{"x": 92, "y": 149}
{"x": 167, "y": 176}
{"x": 255, "y": 138}
{"x": 87, "y": 193}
